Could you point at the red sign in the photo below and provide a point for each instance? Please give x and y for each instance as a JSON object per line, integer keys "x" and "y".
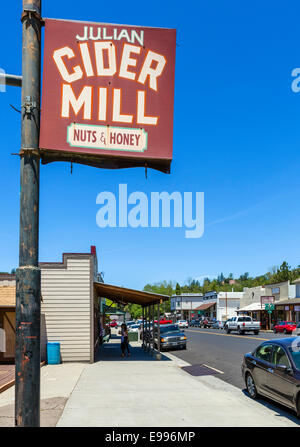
{"x": 108, "y": 94}
{"x": 267, "y": 299}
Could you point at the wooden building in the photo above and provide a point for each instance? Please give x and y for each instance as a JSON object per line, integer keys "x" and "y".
{"x": 70, "y": 306}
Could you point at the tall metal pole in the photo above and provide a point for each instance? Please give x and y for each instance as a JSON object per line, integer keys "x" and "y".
{"x": 28, "y": 276}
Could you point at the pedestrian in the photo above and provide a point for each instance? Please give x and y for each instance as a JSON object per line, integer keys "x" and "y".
{"x": 124, "y": 340}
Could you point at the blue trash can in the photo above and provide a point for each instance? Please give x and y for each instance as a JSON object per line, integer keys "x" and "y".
{"x": 53, "y": 353}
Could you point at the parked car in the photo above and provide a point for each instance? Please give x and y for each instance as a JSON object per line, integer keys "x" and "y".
{"x": 286, "y": 327}
{"x": 134, "y": 328}
{"x": 242, "y": 325}
{"x": 218, "y": 324}
{"x": 183, "y": 324}
{"x": 194, "y": 323}
{"x": 273, "y": 370}
{"x": 170, "y": 337}
{"x": 206, "y": 323}
{"x": 296, "y": 331}
{"x": 164, "y": 321}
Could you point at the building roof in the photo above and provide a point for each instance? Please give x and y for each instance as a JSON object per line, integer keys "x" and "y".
{"x": 288, "y": 301}
{"x": 205, "y": 306}
{"x": 124, "y": 295}
{"x": 7, "y": 296}
{"x": 252, "y": 307}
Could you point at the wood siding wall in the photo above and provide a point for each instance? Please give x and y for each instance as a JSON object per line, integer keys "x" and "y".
{"x": 66, "y": 306}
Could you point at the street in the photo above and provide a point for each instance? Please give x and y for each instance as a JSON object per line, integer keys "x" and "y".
{"x": 216, "y": 349}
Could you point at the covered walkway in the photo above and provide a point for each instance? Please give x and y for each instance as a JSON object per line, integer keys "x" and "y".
{"x": 150, "y": 303}
{"x": 111, "y": 351}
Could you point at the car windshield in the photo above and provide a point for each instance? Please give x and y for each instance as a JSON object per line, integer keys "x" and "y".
{"x": 245, "y": 319}
{"x": 290, "y": 322}
{"x": 172, "y": 328}
{"x": 295, "y": 354}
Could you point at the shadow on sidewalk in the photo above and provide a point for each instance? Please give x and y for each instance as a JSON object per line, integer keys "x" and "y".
{"x": 281, "y": 410}
{"x": 112, "y": 352}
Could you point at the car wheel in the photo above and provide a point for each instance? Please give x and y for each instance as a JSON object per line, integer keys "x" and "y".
{"x": 239, "y": 331}
{"x": 256, "y": 332}
{"x": 250, "y": 385}
{"x": 227, "y": 331}
{"x": 285, "y": 331}
{"x": 275, "y": 331}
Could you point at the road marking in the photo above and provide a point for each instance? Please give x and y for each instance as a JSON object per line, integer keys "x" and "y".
{"x": 215, "y": 369}
{"x": 229, "y": 335}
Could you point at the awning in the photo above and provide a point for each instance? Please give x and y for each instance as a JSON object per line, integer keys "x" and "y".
{"x": 287, "y": 302}
{"x": 205, "y": 306}
{"x": 123, "y": 295}
{"x": 253, "y": 307}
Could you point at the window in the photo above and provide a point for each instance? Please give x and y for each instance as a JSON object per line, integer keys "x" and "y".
{"x": 295, "y": 353}
{"x": 244, "y": 318}
{"x": 171, "y": 328}
{"x": 264, "y": 353}
{"x": 279, "y": 356}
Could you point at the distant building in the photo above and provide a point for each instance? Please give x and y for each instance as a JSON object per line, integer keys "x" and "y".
{"x": 286, "y": 298}
{"x": 219, "y": 305}
{"x": 184, "y": 305}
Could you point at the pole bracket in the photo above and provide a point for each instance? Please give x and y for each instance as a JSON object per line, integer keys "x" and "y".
{"x": 29, "y": 150}
{"x": 31, "y": 12}
{"x": 29, "y": 106}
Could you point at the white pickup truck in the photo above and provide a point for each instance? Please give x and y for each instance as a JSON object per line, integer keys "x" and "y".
{"x": 242, "y": 325}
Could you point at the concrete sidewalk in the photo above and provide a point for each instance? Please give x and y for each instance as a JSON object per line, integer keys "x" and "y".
{"x": 57, "y": 384}
{"x": 140, "y": 391}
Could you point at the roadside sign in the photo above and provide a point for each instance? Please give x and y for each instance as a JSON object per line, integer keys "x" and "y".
{"x": 269, "y": 307}
{"x": 267, "y": 300}
{"x": 108, "y": 94}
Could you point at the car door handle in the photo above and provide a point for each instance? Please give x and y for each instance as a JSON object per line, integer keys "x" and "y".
{"x": 270, "y": 370}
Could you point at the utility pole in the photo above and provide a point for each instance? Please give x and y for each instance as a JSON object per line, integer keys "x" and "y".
{"x": 28, "y": 275}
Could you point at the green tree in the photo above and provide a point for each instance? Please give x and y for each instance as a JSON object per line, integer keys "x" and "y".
{"x": 135, "y": 310}
{"x": 178, "y": 289}
{"x": 283, "y": 273}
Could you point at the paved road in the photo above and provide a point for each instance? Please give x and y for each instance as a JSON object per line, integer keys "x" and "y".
{"x": 224, "y": 352}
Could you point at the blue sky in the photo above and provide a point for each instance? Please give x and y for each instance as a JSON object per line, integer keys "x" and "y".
{"x": 236, "y": 137}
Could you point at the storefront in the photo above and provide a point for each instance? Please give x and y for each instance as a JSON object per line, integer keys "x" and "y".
{"x": 257, "y": 312}
{"x": 208, "y": 310}
{"x": 288, "y": 310}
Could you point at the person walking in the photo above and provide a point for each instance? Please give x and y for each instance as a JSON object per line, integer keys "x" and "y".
{"x": 124, "y": 340}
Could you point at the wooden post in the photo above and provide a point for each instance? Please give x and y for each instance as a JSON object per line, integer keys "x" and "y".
{"x": 143, "y": 326}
